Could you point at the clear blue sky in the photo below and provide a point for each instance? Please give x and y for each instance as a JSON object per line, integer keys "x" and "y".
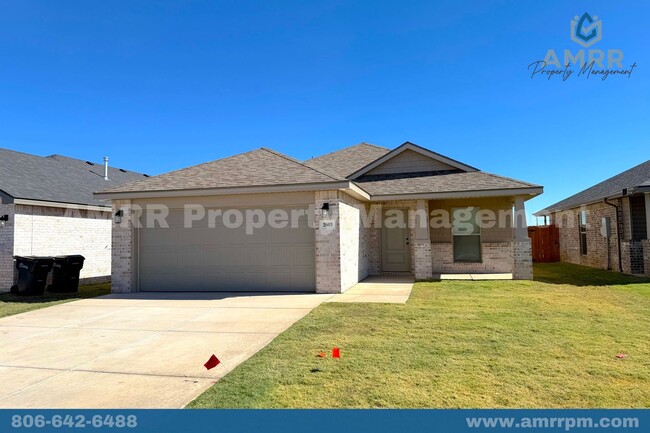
{"x": 162, "y": 85}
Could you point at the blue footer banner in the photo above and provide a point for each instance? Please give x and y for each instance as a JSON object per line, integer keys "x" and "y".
{"x": 328, "y": 421}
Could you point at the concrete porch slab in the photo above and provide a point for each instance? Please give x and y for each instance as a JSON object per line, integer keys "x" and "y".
{"x": 384, "y": 289}
{"x": 475, "y": 277}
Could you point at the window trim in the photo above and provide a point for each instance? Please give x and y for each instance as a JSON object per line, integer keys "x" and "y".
{"x": 479, "y": 235}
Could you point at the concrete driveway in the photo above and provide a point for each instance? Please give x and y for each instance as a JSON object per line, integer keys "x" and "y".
{"x": 136, "y": 351}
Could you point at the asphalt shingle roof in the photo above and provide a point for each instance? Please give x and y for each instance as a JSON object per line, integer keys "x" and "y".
{"x": 256, "y": 168}
{"x": 265, "y": 167}
{"x": 57, "y": 178}
{"x": 634, "y": 177}
{"x": 437, "y": 182}
{"x": 346, "y": 161}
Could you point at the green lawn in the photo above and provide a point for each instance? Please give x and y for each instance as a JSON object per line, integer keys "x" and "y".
{"x": 14, "y": 304}
{"x": 545, "y": 343}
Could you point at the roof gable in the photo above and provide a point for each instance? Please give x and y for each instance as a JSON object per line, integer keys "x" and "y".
{"x": 259, "y": 167}
{"x": 411, "y": 158}
{"x": 346, "y": 161}
{"x": 409, "y": 162}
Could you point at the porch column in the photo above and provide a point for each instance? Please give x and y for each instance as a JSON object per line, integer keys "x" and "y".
{"x": 519, "y": 219}
{"x": 522, "y": 268}
{"x": 422, "y": 265}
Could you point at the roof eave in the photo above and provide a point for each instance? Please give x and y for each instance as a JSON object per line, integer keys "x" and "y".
{"x": 259, "y": 189}
{"x": 62, "y": 205}
{"x": 503, "y": 192}
{"x": 552, "y": 209}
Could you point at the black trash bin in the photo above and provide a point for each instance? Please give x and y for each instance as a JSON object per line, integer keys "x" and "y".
{"x": 65, "y": 276}
{"x": 32, "y": 275}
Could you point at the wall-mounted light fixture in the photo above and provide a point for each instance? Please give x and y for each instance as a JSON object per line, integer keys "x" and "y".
{"x": 118, "y": 216}
{"x": 3, "y": 220}
{"x": 325, "y": 210}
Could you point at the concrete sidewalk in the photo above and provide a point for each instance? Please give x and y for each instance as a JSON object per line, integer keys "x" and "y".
{"x": 385, "y": 289}
{"x": 136, "y": 351}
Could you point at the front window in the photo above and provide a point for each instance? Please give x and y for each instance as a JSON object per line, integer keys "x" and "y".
{"x": 583, "y": 232}
{"x": 466, "y": 235}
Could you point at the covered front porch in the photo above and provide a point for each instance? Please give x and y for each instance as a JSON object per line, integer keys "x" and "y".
{"x": 468, "y": 238}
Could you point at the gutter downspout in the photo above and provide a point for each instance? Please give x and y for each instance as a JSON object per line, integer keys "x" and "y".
{"x": 618, "y": 234}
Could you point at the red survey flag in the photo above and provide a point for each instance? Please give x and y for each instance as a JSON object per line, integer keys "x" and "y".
{"x": 336, "y": 353}
{"x": 212, "y": 362}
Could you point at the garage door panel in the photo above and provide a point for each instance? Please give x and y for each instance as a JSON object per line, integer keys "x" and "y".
{"x": 255, "y": 256}
{"x": 219, "y": 258}
{"x": 277, "y": 256}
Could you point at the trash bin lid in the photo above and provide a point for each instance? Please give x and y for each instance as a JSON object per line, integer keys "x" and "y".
{"x": 34, "y": 258}
{"x": 73, "y": 257}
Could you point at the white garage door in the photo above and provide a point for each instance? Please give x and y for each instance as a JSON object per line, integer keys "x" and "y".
{"x": 220, "y": 258}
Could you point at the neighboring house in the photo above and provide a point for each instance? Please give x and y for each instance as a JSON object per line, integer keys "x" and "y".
{"x": 340, "y": 248}
{"x": 47, "y": 208}
{"x": 622, "y": 204}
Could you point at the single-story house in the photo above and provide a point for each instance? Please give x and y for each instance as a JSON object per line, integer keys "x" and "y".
{"x": 607, "y": 225}
{"x": 360, "y": 211}
{"x": 47, "y": 208}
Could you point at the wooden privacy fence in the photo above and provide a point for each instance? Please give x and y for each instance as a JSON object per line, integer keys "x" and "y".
{"x": 545, "y": 243}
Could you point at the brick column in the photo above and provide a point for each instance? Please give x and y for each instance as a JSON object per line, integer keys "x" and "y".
{"x": 521, "y": 248}
{"x": 122, "y": 252}
{"x": 7, "y": 248}
{"x": 646, "y": 256}
{"x": 328, "y": 244}
{"x": 422, "y": 266}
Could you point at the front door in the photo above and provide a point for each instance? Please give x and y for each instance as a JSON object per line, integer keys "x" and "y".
{"x": 395, "y": 252}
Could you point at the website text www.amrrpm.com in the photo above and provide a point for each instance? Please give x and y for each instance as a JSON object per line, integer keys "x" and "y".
{"x": 560, "y": 423}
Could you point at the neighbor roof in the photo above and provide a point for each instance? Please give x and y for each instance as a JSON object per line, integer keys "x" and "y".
{"x": 635, "y": 177}
{"x": 57, "y": 178}
{"x": 259, "y": 167}
{"x": 437, "y": 182}
{"x": 346, "y": 161}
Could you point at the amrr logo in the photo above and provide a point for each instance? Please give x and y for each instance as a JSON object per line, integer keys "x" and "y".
{"x": 586, "y": 30}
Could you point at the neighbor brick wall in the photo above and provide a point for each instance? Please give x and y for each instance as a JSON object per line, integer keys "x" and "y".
{"x": 596, "y": 257}
{"x": 646, "y": 256}
{"x": 51, "y": 231}
{"x": 625, "y": 254}
{"x": 7, "y": 249}
{"x": 497, "y": 257}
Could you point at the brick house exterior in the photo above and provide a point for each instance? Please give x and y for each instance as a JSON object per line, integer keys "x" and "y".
{"x": 623, "y": 201}
{"x": 349, "y": 195}
{"x": 50, "y": 211}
